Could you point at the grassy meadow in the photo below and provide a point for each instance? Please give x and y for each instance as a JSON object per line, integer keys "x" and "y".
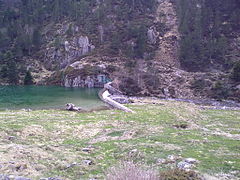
{"x": 71, "y": 145}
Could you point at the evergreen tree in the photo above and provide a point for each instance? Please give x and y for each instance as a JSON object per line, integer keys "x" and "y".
{"x": 12, "y": 72}
{"x": 36, "y": 39}
{"x": 57, "y": 42}
{"x": 69, "y": 31}
{"x": 115, "y": 45}
{"x": 236, "y": 72}
{"x": 204, "y": 35}
{"x": 141, "y": 42}
{"x": 28, "y": 79}
{"x": 11, "y": 68}
{"x": 56, "y": 10}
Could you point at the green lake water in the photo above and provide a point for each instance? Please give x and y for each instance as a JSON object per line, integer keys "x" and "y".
{"x": 47, "y": 97}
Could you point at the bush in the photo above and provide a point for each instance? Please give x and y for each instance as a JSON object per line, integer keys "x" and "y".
{"x": 198, "y": 84}
{"x": 179, "y": 174}
{"x": 111, "y": 68}
{"x": 220, "y": 91}
{"x": 129, "y": 86}
{"x": 131, "y": 171}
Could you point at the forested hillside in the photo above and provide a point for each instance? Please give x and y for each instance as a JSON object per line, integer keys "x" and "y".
{"x": 207, "y": 28}
{"x": 151, "y": 47}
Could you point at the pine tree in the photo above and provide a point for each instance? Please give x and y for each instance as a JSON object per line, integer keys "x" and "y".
{"x": 11, "y": 72}
{"x": 28, "y": 79}
{"x": 56, "y": 10}
{"x": 115, "y": 43}
{"x": 36, "y": 39}
{"x": 69, "y": 31}
{"x": 141, "y": 42}
{"x": 236, "y": 72}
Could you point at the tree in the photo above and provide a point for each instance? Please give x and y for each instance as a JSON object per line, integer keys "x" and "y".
{"x": 28, "y": 79}
{"x": 57, "y": 42}
{"x": 115, "y": 43}
{"x": 56, "y": 10}
{"x": 141, "y": 42}
{"x": 69, "y": 31}
{"x": 11, "y": 73}
{"x": 36, "y": 39}
{"x": 236, "y": 72}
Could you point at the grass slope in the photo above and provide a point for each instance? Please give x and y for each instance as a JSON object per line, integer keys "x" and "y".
{"x": 50, "y": 143}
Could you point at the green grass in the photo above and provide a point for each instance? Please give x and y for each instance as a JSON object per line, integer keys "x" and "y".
{"x": 49, "y": 141}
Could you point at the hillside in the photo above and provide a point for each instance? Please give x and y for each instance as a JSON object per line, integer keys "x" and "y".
{"x": 188, "y": 49}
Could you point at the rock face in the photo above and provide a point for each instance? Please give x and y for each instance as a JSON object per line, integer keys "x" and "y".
{"x": 91, "y": 76}
{"x": 66, "y": 46}
{"x": 89, "y": 81}
{"x": 152, "y": 35}
{"x": 63, "y": 51}
{"x": 84, "y": 45}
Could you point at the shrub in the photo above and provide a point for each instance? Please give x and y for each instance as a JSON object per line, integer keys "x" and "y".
{"x": 179, "y": 174}
{"x": 129, "y": 86}
{"x": 220, "y": 91}
{"x": 198, "y": 84}
{"x": 131, "y": 171}
{"x": 111, "y": 68}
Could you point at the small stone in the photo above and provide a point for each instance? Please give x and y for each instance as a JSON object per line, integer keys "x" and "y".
{"x": 172, "y": 157}
{"x": 86, "y": 150}
{"x": 133, "y": 152}
{"x": 184, "y": 165}
{"x": 190, "y": 160}
{"x": 12, "y": 177}
{"x": 21, "y": 178}
{"x": 71, "y": 165}
{"x": 11, "y": 138}
{"x": 87, "y": 162}
{"x": 161, "y": 161}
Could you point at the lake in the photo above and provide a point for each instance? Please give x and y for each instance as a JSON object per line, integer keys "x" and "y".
{"x": 47, "y": 97}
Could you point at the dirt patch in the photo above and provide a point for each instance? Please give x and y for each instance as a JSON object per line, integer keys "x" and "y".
{"x": 33, "y": 130}
{"x": 228, "y": 135}
{"x": 105, "y": 136}
{"x": 85, "y": 132}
